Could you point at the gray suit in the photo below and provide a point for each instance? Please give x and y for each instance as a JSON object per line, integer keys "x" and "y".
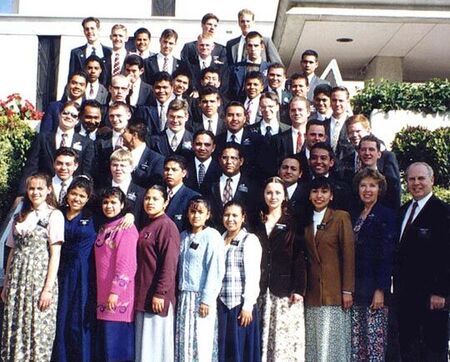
{"x": 315, "y": 81}
{"x": 270, "y": 55}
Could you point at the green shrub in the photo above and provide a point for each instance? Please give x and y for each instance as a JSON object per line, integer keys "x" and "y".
{"x": 420, "y": 144}
{"x": 430, "y": 97}
{"x": 15, "y": 139}
{"x": 441, "y": 192}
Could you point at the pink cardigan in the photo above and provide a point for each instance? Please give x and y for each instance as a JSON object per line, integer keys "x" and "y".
{"x": 115, "y": 261}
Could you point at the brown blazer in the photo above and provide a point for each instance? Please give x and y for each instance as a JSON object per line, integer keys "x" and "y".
{"x": 331, "y": 259}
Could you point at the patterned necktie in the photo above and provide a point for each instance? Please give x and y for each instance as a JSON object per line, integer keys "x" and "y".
{"x": 210, "y": 125}
{"x": 335, "y": 136}
{"x": 64, "y": 137}
{"x": 93, "y": 51}
{"x": 91, "y": 91}
{"x": 166, "y": 64}
{"x": 248, "y": 111}
{"x": 268, "y": 132}
{"x": 201, "y": 173}
{"x": 116, "y": 68}
{"x": 227, "y": 191}
{"x": 174, "y": 143}
{"x": 162, "y": 117}
{"x": 169, "y": 195}
{"x": 62, "y": 193}
{"x": 299, "y": 143}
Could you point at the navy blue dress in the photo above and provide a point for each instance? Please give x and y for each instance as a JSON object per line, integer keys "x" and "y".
{"x": 76, "y": 304}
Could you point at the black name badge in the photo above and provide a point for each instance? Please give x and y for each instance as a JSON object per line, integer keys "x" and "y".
{"x": 235, "y": 242}
{"x": 194, "y": 245}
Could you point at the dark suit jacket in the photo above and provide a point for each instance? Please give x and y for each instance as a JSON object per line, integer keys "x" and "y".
{"x": 189, "y": 52}
{"x": 331, "y": 259}
{"x": 135, "y": 200}
{"x": 315, "y": 81}
{"x": 151, "y": 68}
{"x": 344, "y": 147}
{"x": 50, "y": 121}
{"x": 195, "y": 70}
{"x": 270, "y": 55}
{"x": 150, "y": 117}
{"x": 146, "y": 96}
{"x": 283, "y": 266}
{"x": 247, "y": 193}
{"x": 281, "y": 145}
{"x": 423, "y": 256}
{"x": 237, "y": 73}
{"x": 161, "y": 144}
{"x": 212, "y": 175}
{"x": 197, "y": 125}
{"x": 41, "y": 156}
{"x": 78, "y": 59}
{"x": 103, "y": 150}
{"x": 149, "y": 169}
{"x": 374, "y": 253}
{"x": 177, "y": 208}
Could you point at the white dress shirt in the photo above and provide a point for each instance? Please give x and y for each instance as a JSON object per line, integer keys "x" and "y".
{"x": 234, "y": 183}
{"x": 56, "y": 183}
{"x": 98, "y": 49}
{"x": 241, "y": 47}
{"x": 317, "y": 219}
{"x": 238, "y": 136}
{"x": 83, "y": 132}
{"x": 124, "y": 185}
{"x": 253, "y": 108}
{"x": 214, "y": 123}
{"x": 95, "y": 86}
{"x": 175, "y": 189}
{"x": 207, "y": 62}
{"x": 135, "y": 94}
{"x": 273, "y": 123}
{"x": 160, "y": 60}
{"x": 115, "y": 137}
{"x": 291, "y": 189}
{"x": 170, "y": 135}
{"x": 420, "y": 204}
{"x": 58, "y": 137}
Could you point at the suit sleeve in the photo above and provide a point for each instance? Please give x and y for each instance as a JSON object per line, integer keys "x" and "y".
{"x": 272, "y": 52}
{"x": 387, "y": 230}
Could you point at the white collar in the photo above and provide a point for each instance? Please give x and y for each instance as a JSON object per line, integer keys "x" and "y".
{"x": 205, "y": 163}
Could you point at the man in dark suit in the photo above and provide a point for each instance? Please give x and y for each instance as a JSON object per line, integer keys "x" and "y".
{"x": 276, "y": 78}
{"x": 336, "y": 131}
{"x": 119, "y": 37}
{"x": 254, "y": 87}
{"x": 232, "y": 185}
{"x": 90, "y": 118}
{"x": 202, "y": 169}
{"x": 147, "y": 164}
{"x": 209, "y": 24}
{"x": 254, "y": 62}
{"x": 309, "y": 64}
{"x": 141, "y": 93}
{"x": 179, "y": 194}
{"x": 119, "y": 116}
{"x": 75, "y": 91}
{"x": 422, "y": 271}
{"x": 175, "y": 139}
{"x": 322, "y": 103}
{"x": 142, "y": 39}
{"x": 41, "y": 154}
{"x": 209, "y": 102}
{"x": 236, "y": 51}
{"x": 78, "y": 56}
{"x": 290, "y": 171}
{"x": 94, "y": 89}
{"x": 163, "y": 61}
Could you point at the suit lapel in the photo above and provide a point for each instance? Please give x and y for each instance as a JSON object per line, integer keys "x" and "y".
{"x": 324, "y": 224}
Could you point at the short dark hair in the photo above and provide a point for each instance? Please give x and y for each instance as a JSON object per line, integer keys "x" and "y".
{"x": 209, "y": 16}
{"x": 90, "y": 103}
{"x": 315, "y": 122}
{"x": 115, "y": 191}
{"x": 234, "y": 104}
{"x": 162, "y": 76}
{"x": 79, "y": 73}
{"x": 208, "y": 90}
{"x": 138, "y": 128}
{"x": 324, "y": 146}
{"x": 178, "y": 159}
{"x": 296, "y": 76}
{"x": 291, "y": 157}
{"x": 310, "y": 52}
{"x": 142, "y": 31}
{"x": 321, "y": 182}
{"x": 161, "y": 189}
{"x": 254, "y": 74}
{"x": 323, "y": 88}
{"x": 134, "y": 59}
{"x": 182, "y": 71}
{"x": 91, "y": 18}
{"x": 210, "y": 69}
{"x": 371, "y": 138}
{"x": 252, "y": 35}
{"x": 276, "y": 66}
{"x": 270, "y": 95}
{"x": 204, "y": 132}
{"x": 93, "y": 58}
{"x": 67, "y": 151}
{"x": 234, "y": 146}
{"x": 169, "y": 33}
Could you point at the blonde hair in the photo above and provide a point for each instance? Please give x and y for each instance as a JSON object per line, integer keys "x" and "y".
{"x": 121, "y": 155}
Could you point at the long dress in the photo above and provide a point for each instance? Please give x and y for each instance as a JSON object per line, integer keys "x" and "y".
{"x": 28, "y": 333}
{"x": 76, "y": 307}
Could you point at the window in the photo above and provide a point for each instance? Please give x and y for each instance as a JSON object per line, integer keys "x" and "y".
{"x": 163, "y": 8}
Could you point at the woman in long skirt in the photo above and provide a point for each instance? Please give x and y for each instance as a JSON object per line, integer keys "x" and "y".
{"x": 30, "y": 292}
{"x": 201, "y": 269}
{"x": 331, "y": 274}
{"x": 283, "y": 274}
{"x": 158, "y": 251}
{"x": 239, "y": 335}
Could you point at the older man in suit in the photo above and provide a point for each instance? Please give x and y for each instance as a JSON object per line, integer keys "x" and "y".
{"x": 236, "y": 51}
{"x": 422, "y": 272}
{"x": 78, "y": 56}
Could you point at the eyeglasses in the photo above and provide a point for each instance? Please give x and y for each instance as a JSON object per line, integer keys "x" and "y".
{"x": 67, "y": 113}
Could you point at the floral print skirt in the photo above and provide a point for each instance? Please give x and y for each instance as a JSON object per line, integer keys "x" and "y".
{"x": 369, "y": 333}
{"x": 327, "y": 334}
{"x": 283, "y": 329}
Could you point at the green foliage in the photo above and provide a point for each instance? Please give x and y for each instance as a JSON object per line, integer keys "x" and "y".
{"x": 420, "y": 144}
{"x": 430, "y": 97}
{"x": 15, "y": 140}
{"x": 441, "y": 192}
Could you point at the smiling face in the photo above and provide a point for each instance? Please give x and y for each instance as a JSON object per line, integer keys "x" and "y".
{"x": 315, "y": 134}
{"x": 205, "y": 47}
{"x": 91, "y": 118}
{"x": 320, "y": 198}
{"x": 173, "y": 174}
{"x": 64, "y": 167}
{"x": 369, "y": 154}
{"x": 320, "y": 162}
{"x": 176, "y": 120}
{"x": 118, "y": 38}
{"x": 77, "y": 87}
{"x": 253, "y": 87}
{"x": 299, "y": 87}
{"x": 235, "y": 118}
{"x": 233, "y": 219}
{"x": 419, "y": 181}
{"x": 369, "y": 190}
{"x": 269, "y": 109}
{"x": 167, "y": 45}
{"x": 298, "y": 113}
{"x": 37, "y": 191}
{"x": 274, "y": 195}
{"x": 91, "y": 31}
{"x": 154, "y": 203}
{"x": 290, "y": 171}
{"x": 230, "y": 162}
{"x": 142, "y": 42}
{"x": 212, "y": 79}
{"x": 339, "y": 103}
{"x": 180, "y": 84}
{"x": 163, "y": 91}
{"x": 203, "y": 147}
{"x": 322, "y": 103}
{"x": 355, "y": 132}
{"x": 119, "y": 117}
{"x": 198, "y": 215}
{"x": 246, "y": 23}
{"x": 276, "y": 78}
{"x": 77, "y": 199}
{"x": 68, "y": 118}
{"x": 111, "y": 206}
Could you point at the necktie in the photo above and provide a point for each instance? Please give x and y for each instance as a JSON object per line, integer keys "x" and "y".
{"x": 162, "y": 117}
{"x": 248, "y": 111}
{"x": 201, "y": 173}
{"x": 203, "y": 65}
{"x": 233, "y": 138}
{"x": 335, "y": 136}
{"x": 64, "y": 137}
{"x": 174, "y": 143}
{"x": 299, "y": 142}
{"x": 91, "y": 91}
{"x": 411, "y": 216}
{"x": 62, "y": 193}
{"x": 268, "y": 133}
{"x": 358, "y": 164}
{"x": 210, "y": 125}
{"x": 169, "y": 195}
{"x": 166, "y": 64}
{"x": 93, "y": 51}
{"x": 116, "y": 67}
{"x": 119, "y": 143}
{"x": 227, "y": 191}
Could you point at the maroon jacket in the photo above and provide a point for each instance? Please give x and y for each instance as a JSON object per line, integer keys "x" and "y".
{"x": 157, "y": 258}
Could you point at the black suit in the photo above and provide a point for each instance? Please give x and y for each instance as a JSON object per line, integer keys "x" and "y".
{"x": 78, "y": 59}
{"x": 422, "y": 269}
{"x": 344, "y": 147}
{"x": 195, "y": 71}
{"x": 41, "y": 156}
{"x": 151, "y": 68}
{"x": 177, "y": 208}
{"x": 146, "y": 96}
{"x": 246, "y": 192}
{"x": 149, "y": 169}
{"x": 150, "y": 117}
{"x": 161, "y": 144}
{"x": 212, "y": 175}
{"x": 103, "y": 150}
{"x": 197, "y": 125}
